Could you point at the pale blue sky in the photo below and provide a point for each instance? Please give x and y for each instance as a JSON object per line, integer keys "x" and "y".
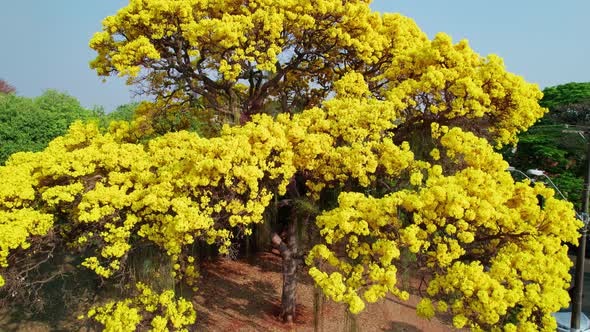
{"x": 45, "y": 43}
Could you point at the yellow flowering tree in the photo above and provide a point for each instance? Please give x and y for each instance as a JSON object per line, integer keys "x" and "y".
{"x": 245, "y": 57}
{"x": 104, "y": 195}
{"x": 359, "y": 104}
{"x": 240, "y": 57}
{"x": 487, "y": 253}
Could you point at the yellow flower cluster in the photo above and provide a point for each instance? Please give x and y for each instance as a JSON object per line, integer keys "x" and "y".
{"x": 229, "y": 40}
{"x": 171, "y": 191}
{"x": 343, "y": 142}
{"x": 491, "y": 250}
{"x": 443, "y": 81}
{"x": 229, "y": 36}
{"x": 20, "y": 221}
{"x": 161, "y": 311}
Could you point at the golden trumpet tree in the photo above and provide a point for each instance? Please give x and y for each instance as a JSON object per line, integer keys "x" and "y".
{"x": 359, "y": 103}
{"x": 242, "y": 57}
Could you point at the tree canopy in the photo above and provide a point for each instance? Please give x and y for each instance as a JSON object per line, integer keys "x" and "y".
{"x": 243, "y": 57}
{"x": 29, "y": 124}
{"x": 400, "y": 128}
{"x": 565, "y": 94}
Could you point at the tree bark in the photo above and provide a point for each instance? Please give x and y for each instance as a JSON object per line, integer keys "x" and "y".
{"x": 288, "y": 253}
{"x": 351, "y": 321}
{"x": 153, "y": 267}
{"x": 318, "y": 310}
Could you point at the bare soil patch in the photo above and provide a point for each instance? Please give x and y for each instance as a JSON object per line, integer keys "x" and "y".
{"x": 245, "y": 296}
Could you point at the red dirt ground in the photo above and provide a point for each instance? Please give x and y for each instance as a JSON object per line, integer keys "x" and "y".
{"x": 244, "y": 296}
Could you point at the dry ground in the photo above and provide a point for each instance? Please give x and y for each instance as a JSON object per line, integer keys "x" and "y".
{"x": 241, "y": 296}
{"x": 245, "y": 295}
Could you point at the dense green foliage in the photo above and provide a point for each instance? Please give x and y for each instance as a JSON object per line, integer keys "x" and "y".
{"x": 565, "y": 94}
{"x": 29, "y": 124}
{"x": 125, "y": 112}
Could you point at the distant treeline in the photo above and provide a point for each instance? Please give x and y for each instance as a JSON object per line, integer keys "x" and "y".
{"x": 29, "y": 124}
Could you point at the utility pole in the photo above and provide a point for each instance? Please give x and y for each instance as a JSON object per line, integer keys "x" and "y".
{"x": 579, "y": 277}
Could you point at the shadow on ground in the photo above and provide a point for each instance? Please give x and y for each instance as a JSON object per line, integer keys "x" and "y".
{"x": 240, "y": 302}
{"x": 401, "y": 327}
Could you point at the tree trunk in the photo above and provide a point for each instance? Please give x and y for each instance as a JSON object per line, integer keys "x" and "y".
{"x": 318, "y": 310}
{"x": 351, "y": 324}
{"x": 153, "y": 267}
{"x": 288, "y": 253}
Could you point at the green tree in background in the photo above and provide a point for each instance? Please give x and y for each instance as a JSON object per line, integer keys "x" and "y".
{"x": 29, "y": 124}
{"x": 565, "y": 94}
{"x": 125, "y": 112}
{"x": 545, "y": 145}
{"x": 24, "y": 126}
